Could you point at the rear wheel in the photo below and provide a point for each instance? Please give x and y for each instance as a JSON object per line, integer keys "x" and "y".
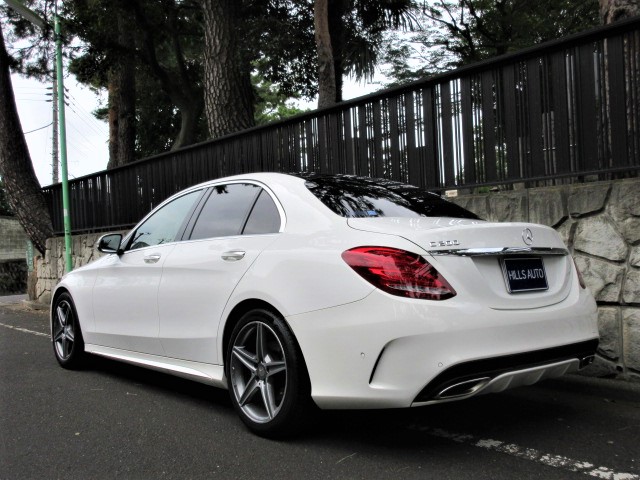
{"x": 268, "y": 381}
{"x": 68, "y": 344}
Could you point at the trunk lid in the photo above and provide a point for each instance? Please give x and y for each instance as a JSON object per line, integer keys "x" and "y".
{"x": 483, "y": 260}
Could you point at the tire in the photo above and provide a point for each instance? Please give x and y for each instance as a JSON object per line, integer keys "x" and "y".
{"x": 66, "y": 335}
{"x": 268, "y": 380}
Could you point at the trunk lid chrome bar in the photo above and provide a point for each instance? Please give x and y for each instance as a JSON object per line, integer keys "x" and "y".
{"x": 497, "y": 251}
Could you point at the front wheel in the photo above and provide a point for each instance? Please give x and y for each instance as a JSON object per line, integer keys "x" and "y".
{"x": 66, "y": 335}
{"x": 268, "y": 381}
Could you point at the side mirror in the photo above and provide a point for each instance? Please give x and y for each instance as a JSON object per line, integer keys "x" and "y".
{"x": 110, "y": 243}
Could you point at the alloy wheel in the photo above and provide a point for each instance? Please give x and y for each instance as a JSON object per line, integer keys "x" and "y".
{"x": 63, "y": 330}
{"x": 258, "y": 372}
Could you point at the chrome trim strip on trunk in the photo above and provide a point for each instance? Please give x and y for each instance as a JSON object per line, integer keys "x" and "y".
{"x": 496, "y": 251}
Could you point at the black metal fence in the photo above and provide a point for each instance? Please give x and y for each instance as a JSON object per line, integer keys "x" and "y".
{"x": 559, "y": 112}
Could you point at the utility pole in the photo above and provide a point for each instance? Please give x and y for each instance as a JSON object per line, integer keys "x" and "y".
{"x": 63, "y": 145}
{"x": 54, "y": 148}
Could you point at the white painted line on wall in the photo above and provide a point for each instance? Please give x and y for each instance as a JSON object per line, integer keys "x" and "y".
{"x": 33, "y": 332}
{"x": 551, "y": 460}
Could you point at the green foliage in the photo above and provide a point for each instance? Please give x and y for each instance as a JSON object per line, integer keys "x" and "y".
{"x": 452, "y": 33}
{"x": 5, "y": 209}
{"x": 271, "y": 103}
{"x": 363, "y": 26}
{"x": 31, "y": 48}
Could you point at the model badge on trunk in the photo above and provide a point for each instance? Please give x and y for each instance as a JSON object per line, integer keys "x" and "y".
{"x": 444, "y": 243}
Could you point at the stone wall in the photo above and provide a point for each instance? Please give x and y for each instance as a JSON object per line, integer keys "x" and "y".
{"x": 600, "y": 223}
{"x": 13, "y": 276}
{"x": 50, "y": 269}
{"x": 13, "y": 240}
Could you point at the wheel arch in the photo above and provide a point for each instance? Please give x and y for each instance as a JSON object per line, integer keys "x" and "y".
{"x": 236, "y": 314}
{"x": 58, "y": 291}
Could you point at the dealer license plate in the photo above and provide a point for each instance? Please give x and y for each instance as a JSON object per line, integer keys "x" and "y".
{"x": 524, "y": 274}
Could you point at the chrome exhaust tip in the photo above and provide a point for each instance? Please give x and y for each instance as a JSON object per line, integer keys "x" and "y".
{"x": 463, "y": 389}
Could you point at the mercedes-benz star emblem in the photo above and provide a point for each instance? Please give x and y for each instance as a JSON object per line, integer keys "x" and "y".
{"x": 527, "y": 236}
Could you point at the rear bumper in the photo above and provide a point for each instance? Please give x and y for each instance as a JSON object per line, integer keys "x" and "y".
{"x": 390, "y": 352}
{"x": 496, "y": 374}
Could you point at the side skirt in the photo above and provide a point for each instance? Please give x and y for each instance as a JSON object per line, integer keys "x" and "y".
{"x": 199, "y": 372}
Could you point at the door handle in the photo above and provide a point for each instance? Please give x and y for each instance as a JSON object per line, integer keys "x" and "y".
{"x": 153, "y": 258}
{"x": 233, "y": 255}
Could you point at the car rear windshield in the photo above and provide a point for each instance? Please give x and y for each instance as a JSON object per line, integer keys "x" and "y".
{"x": 360, "y": 197}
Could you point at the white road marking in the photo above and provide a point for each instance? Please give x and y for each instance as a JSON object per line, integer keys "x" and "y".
{"x": 556, "y": 461}
{"x": 33, "y": 332}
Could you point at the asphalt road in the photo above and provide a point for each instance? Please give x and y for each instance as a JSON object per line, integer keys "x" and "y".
{"x": 117, "y": 421}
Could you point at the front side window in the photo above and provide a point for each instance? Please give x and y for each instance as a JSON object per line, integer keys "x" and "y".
{"x": 164, "y": 225}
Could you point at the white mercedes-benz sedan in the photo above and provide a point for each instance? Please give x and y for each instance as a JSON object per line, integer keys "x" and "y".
{"x": 296, "y": 291}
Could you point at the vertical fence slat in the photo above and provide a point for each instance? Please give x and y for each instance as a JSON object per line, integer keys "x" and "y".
{"x": 469, "y": 160}
{"x": 447, "y": 134}
{"x": 586, "y": 108}
{"x": 431, "y": 158}
{"x": 394, "y": 134}
{"x": 534, "y": 100}
{"x": 510, "y": 124}
{"x": 617, "y": 101}
{"x": 363, "y": 150}
{"x": 560, "y": 112}
{"x": 489, "y": 127}
{"x": 413, "y": 158}
{"x": 378, "y": 165}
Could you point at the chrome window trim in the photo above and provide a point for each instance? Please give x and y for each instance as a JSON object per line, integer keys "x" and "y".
{"x": 498, "y": 251}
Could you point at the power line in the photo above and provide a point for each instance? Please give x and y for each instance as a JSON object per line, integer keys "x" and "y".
{"x": 35, "y": 130}
{"x": 86, "y": 141}
{"x": 92, "y": 127}
{"x": 77, "y": 104}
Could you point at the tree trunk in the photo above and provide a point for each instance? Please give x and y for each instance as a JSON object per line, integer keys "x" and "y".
{"x": 189, "y": 116}
{"x": 327, "y": 89}
{"x": 614, "y": 10}
{"x": 228, "y": 95}
{"x": 19, "y": 178}
{"x": 122, "y": 104}
{"x": 337, "y": 10}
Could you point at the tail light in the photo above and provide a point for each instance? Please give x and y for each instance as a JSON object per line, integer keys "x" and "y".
{"x": 580, "y": 277}
{"x": 399, "y": 272}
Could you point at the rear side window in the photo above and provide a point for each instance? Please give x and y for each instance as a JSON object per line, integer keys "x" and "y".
{"x": 264, "y": 217}
{"x": 364, "y": 197}
{"x": 226, "y": 210}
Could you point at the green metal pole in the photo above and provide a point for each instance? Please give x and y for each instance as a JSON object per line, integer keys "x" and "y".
{"x": 63, "y": 149}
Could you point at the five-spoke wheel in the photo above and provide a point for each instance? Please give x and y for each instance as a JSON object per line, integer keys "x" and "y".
{"x": 68, "y": 345}
{"x": 258, "y": 371}
{"x": 267, "y": 379}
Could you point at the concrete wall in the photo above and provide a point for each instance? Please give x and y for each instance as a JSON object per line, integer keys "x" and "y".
{"x": 13, "y": 276}
{"x": 13, "y": 240}
{"x": 13, "y": 261}
{"x": 600, "y": 222}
